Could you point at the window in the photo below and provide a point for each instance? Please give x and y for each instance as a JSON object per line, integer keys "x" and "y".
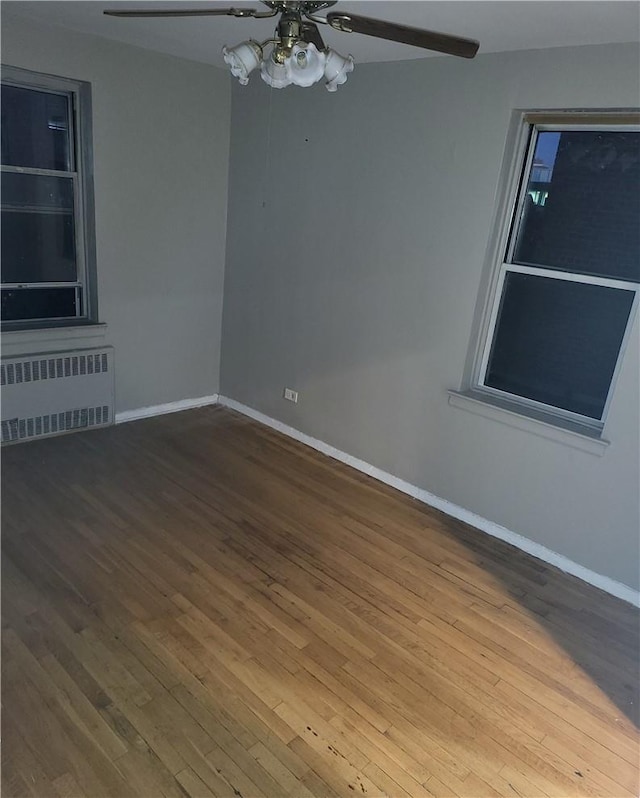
{"x": 566, "y": 285}
{"x": 48, "y": 252}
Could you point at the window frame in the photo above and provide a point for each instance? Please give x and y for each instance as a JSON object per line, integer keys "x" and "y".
{"x": 81, "y": 161}
{"x": 518, "y": 163}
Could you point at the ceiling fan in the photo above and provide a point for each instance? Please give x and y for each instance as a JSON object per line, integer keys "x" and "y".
{"x": 297, "y": 52}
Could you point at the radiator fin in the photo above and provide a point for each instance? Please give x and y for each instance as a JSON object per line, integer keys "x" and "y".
{"x": 51, "y": 393}
{"x": 19, "y": 429}
{"x": 53, "y": 368}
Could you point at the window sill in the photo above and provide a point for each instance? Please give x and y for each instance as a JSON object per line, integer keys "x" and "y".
{"x": 564, "y": 432}
{"x": 22, "y": 342}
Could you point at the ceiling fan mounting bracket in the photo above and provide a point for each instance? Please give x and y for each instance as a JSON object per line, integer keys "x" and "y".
{"x": 244, "y": 12}
{"x": 341, "y": 22}
{"x": 305, "y": 7}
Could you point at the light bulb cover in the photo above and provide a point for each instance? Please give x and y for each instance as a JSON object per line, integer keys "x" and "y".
{"x": 336, "y": 69}
{"x": 274, "y": 74}
{"x": 243, "y": 59}
{"x": 306, "y": 64}
{"x": 303, "y": 66}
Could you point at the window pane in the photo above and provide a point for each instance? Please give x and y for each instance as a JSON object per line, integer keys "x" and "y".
{"x": 582, "y": 208}
{"x": 557, "y": 342}
{"x": 35, "y": 129}
{"x": 24, "y": 191}
{"x": 38, "y": 234}
{"x": 39, "y": 303}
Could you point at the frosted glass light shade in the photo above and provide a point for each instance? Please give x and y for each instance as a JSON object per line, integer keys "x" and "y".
{"x": 243, "y": 59}
{"x": 275, "y": 74}
{"x": 305, "y": 66}
{"x": 336, "y": 69}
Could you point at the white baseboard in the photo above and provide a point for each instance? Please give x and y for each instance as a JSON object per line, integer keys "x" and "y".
{"x": 170, "y": 407}
{"x": 617, "y": 589}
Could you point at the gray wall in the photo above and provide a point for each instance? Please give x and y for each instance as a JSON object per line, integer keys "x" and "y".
{"x": 358, "y": 225}
{"x": 161, "y": 150}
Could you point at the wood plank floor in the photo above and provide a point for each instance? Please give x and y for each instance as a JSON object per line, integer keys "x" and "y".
{"x": 194, "y": 605}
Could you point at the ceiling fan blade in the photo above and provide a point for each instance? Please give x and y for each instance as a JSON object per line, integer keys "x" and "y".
{"x": 429, "y": 40}
{"x": 311, "y": 33}
{"x": 184, "y": 12}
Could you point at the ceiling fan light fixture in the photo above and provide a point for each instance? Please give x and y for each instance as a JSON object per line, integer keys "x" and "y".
{"x": 304, "y": 66}
{"x": 299, "y": 54}
{"x": 243, "y": 59}
{"x": 274, "y": 73}
{"x": 336, "y": 69}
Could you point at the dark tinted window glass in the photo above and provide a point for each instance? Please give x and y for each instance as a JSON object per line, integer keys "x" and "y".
{"x": 38, "y": 235}
{"x": 28, "y": 191}
{"x": 35, "y": 129}
{"x": 582, "y": 211}
{"x": 38, "y": 303}
{"x": 38, "y": 241}
{"x": 557, "y": 342}
{"x": 38, "y": 247}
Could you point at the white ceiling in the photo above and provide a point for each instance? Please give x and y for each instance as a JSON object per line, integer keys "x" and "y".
{"x": 497, "y": 24}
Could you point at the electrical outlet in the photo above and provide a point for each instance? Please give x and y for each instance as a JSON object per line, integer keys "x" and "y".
{"x": 291, "y": 395}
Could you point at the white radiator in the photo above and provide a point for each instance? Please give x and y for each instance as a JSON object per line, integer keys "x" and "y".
{"x": 54, "y": 392}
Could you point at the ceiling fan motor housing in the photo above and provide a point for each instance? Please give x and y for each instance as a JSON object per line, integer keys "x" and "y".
{"x": 289, "y": 32}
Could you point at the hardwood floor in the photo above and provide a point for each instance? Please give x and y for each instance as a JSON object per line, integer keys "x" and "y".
{"x": 195, "y": 605}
